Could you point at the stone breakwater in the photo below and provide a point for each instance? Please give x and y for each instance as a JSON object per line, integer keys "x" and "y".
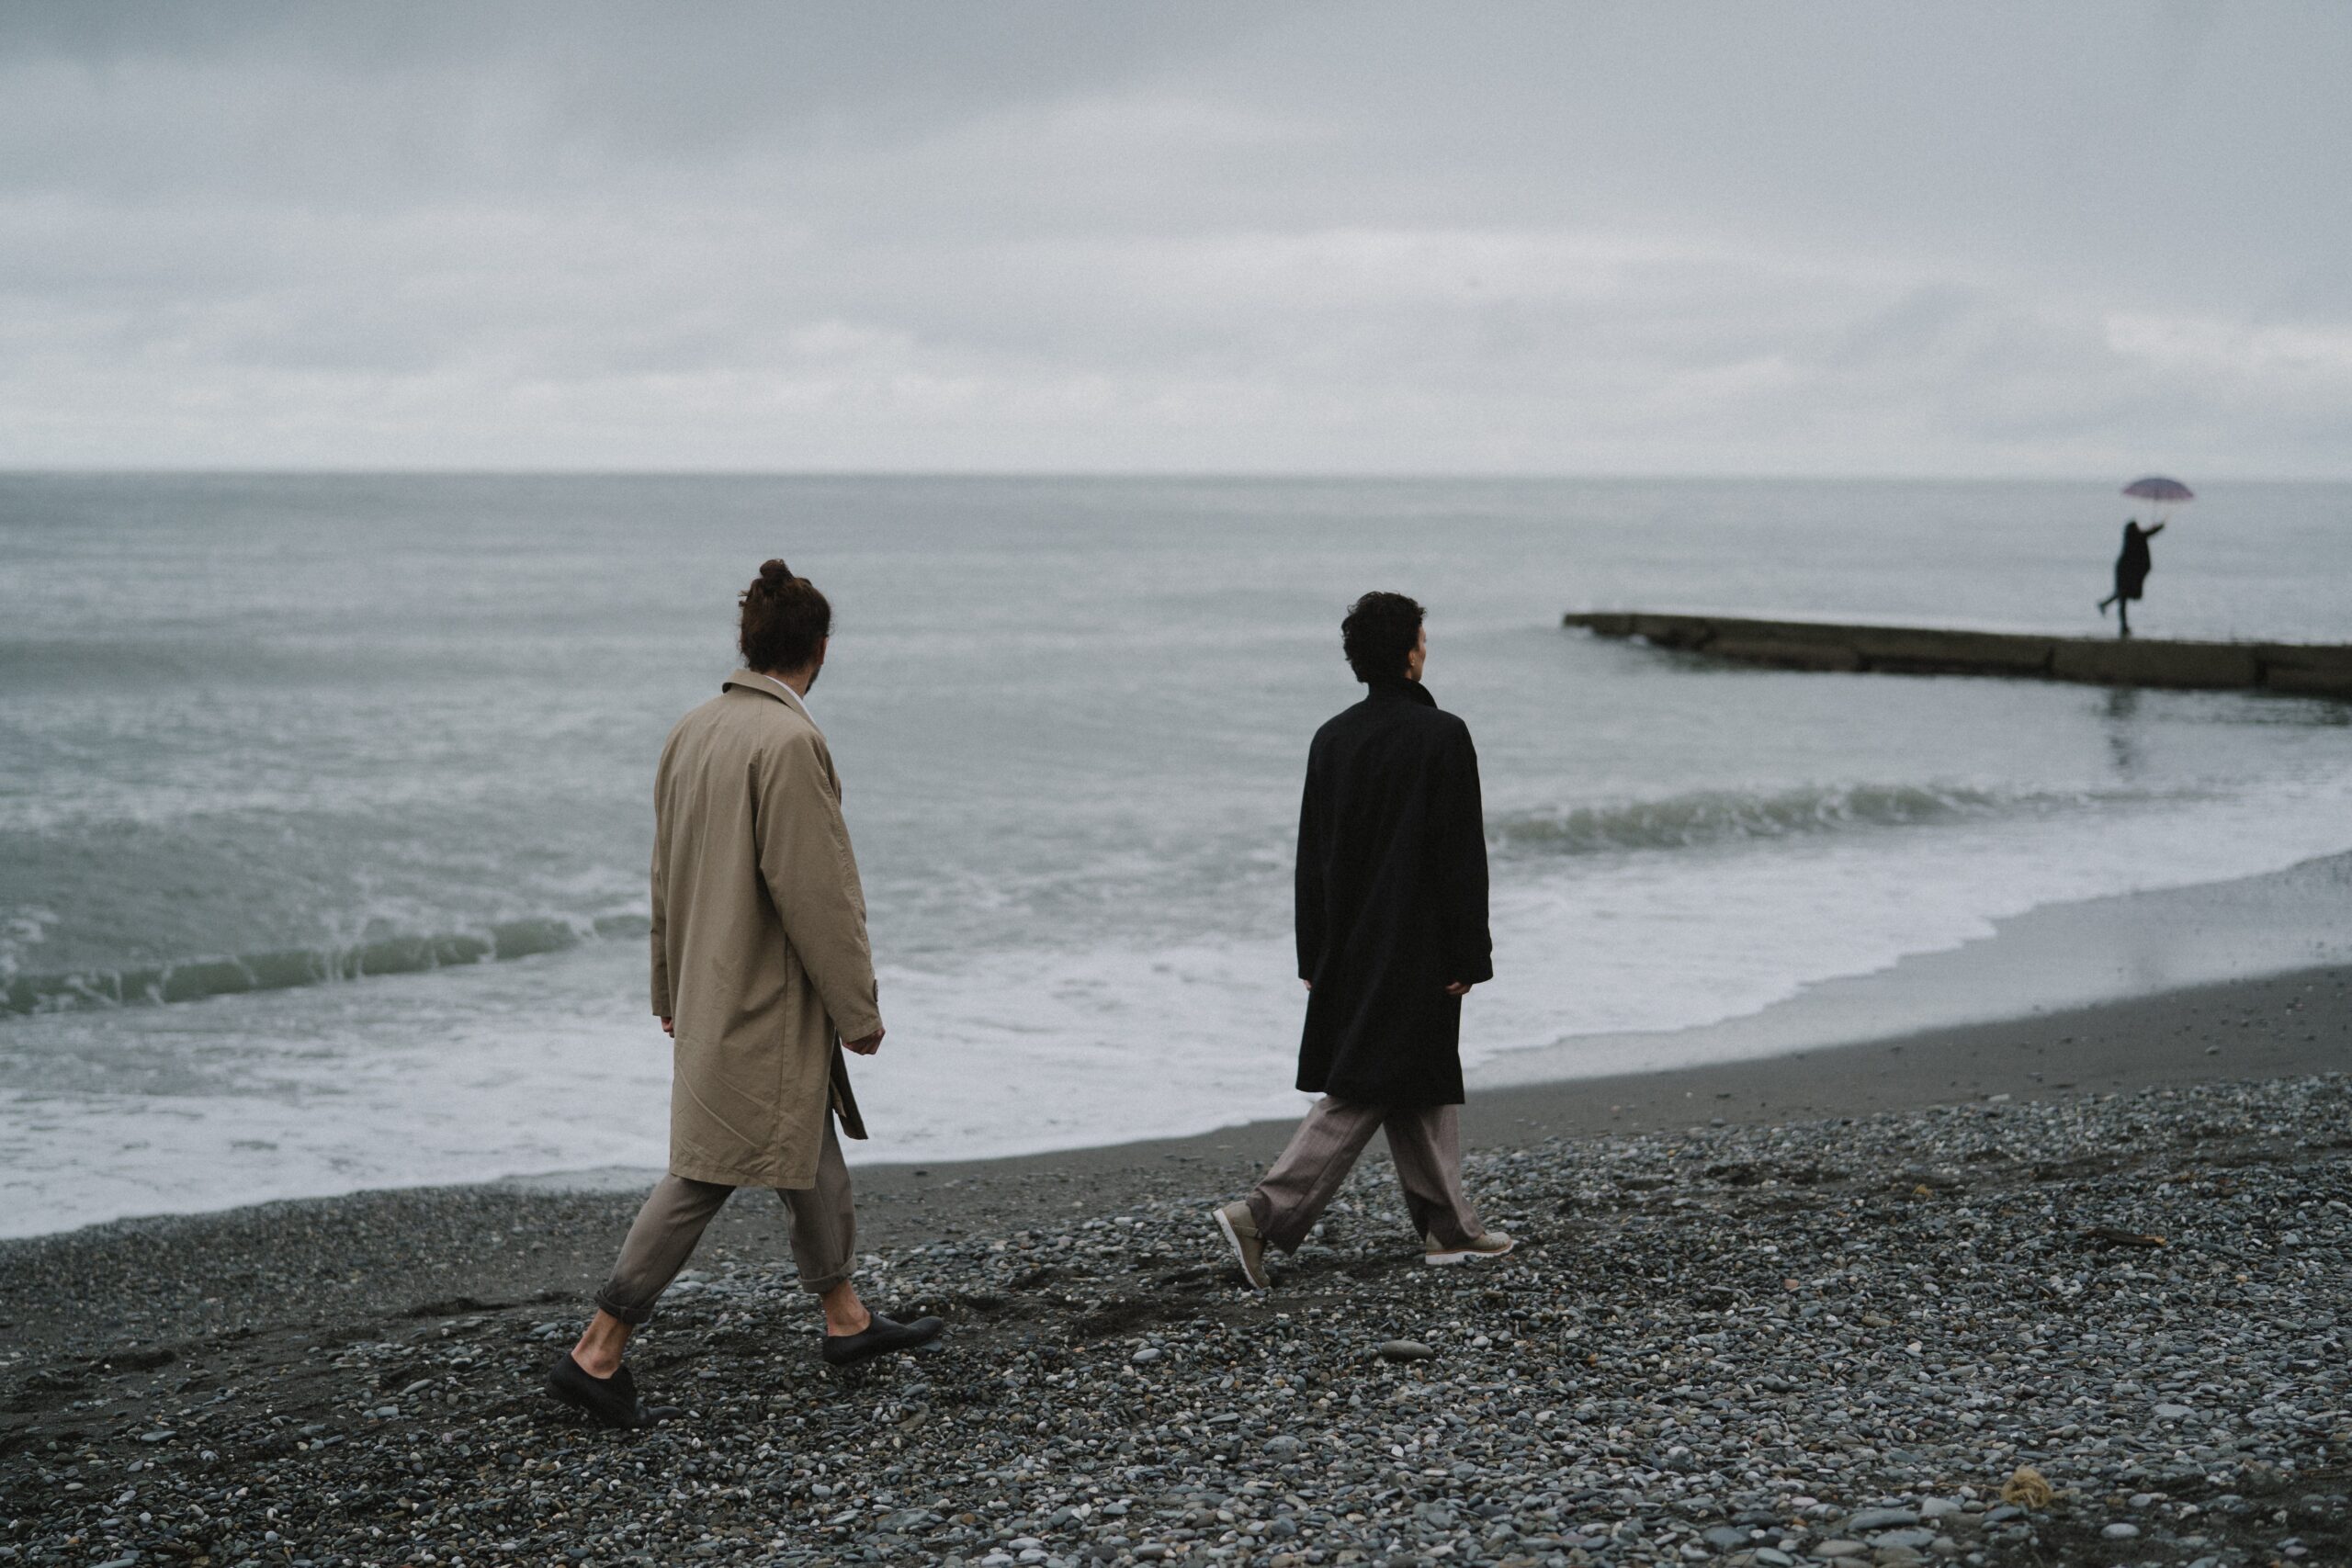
{"x": 1828, "y": 1343}
{"x": 2302, "y": 669}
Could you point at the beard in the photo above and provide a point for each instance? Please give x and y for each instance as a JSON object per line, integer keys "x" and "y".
{"x": 813, "y": 674}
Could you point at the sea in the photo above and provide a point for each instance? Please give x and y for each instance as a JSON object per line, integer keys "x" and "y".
{"x": 325, "y": 801}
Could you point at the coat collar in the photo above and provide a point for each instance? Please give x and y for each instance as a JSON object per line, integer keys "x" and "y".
{"x": 765, "y": 686}
{"x": 1401, "y": 691}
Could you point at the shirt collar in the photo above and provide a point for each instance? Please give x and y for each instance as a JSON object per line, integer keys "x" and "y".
{"x": 799, "y": 699}
{"x": 753, "y": 679}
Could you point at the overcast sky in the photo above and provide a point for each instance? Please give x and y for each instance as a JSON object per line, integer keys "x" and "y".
{"x": 1965, "y": 239}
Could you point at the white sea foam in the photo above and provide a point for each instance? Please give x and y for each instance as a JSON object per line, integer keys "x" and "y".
{"x": 1069, "y": 718}
{"x": 470, "y": 1075}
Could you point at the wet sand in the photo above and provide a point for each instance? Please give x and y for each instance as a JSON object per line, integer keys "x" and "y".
{"x": 326, "y": 1263}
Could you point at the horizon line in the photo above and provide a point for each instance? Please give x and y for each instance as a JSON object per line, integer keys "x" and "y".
{"x": 1303, "y": 476}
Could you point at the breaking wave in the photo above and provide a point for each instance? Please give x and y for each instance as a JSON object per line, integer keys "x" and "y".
{"x": 1701, "y": 819}
{"x": 287, "y": 968}
{"x": 1707, "y": 817}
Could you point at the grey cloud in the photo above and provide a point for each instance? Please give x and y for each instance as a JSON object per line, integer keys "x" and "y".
{"x": 1786, "y": 238}
{"x": 330, "y": 103}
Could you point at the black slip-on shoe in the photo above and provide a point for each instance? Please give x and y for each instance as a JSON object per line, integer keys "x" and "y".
{"x": 610, "y": 1402}
{"x": 881, "y": 1338}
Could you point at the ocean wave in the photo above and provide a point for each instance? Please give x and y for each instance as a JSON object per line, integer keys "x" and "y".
{"x": 287, "y": 968}
{"x": 1707, "y": 817}
{"x": 1695, "y": 820}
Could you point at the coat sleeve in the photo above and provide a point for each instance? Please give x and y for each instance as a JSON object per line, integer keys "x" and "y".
{"x": 1310, "y": 891}
{"x": 811, "y": 874}
{"x": 663, "y": 1007}
{"x": 1470, "y": 946}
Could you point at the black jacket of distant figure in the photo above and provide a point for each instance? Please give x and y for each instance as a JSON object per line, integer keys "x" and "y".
{"x": 2132, "y": 566}
{"x": 1392, "y": 900}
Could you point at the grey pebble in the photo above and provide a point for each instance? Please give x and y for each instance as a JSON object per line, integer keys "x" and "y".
{"x": 1727, "y": 1348}
{"x": 1882, "y": 1518}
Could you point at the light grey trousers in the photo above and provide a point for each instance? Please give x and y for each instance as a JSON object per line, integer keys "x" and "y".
{"x": 1424, "y": 1143}
{"x": 825, "y": 1233}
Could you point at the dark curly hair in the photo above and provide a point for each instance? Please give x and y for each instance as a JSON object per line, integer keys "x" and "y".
{"x": 1380, "y": 630}
{"x": 784, "y": 620}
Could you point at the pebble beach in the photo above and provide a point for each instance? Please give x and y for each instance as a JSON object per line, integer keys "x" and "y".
{"x": 2103, "y": 1324}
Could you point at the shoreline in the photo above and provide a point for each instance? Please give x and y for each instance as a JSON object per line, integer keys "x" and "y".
{"x": 1810, "y": 1310}
{"x": 2063, "y": 956}
{"x": 2284, "y": 1025}
{"x": 2075, "y": 955}
{"x": 1816, "y": 1312}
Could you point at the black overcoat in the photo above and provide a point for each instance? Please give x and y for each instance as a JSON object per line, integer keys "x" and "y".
{"x": 1392, "y": 900}
{"x": 2132, "y": 566}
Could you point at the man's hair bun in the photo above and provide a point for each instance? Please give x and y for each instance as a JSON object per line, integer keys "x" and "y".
{"x": 784, "y": 620}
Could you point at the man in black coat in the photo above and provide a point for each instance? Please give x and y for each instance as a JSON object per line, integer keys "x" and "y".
{"x": 1392, "y": 934}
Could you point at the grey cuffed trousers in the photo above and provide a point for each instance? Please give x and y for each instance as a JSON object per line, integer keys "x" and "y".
{"x": 1426, "y": 1143}
{"x": 824, "y": 1235}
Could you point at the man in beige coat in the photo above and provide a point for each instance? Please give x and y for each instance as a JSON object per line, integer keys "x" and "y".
{"x": 760, "y": 973}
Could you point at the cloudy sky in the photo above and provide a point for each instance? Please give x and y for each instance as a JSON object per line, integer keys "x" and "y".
{"x": 1503, "y": 237}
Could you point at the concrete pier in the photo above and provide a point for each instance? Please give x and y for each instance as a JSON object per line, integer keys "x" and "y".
{"x": 2305, "y": 669}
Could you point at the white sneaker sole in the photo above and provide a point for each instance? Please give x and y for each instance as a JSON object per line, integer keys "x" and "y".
{"x": 1233, "y": 1239}
{"x": 1466, "y": 1255}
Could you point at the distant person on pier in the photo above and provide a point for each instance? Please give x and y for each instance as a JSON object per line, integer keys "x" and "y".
{"x": 2130, "y": 572}
{"x": 1392, "y": 934}
{"x": 761, "y": 973}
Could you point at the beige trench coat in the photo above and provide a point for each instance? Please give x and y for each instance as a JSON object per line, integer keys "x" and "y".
{"x": 760, "y": 952}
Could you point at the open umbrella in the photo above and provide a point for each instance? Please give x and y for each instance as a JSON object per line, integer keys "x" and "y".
{"x": 2163, "y": 492}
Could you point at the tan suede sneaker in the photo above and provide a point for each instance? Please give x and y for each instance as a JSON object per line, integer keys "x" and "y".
{"x": 1494, "y": 1244}
{"x": 1240, "y": 1229}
